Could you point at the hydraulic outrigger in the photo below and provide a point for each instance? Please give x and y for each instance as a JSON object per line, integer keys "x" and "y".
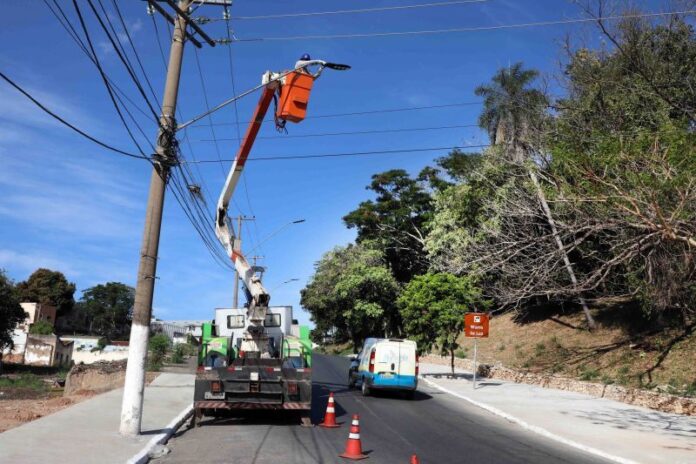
{"x": 258, "y": 374}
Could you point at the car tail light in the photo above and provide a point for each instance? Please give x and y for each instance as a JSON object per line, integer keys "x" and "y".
{"x": 417, "y": 364}
{"x": 372, "y": 361}
{"x": 216, "y": 386}
{"x": 292, "y": 388}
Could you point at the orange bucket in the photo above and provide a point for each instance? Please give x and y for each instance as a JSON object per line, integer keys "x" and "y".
{"x": 294, "y": 96}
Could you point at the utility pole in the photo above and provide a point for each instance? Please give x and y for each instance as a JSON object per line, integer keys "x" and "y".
{"x": 164, "y": 158}
{"x": 238, "y": 247}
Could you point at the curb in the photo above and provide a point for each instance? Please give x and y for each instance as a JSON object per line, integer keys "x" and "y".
{"x": 142, "y": 456}
{"x": 532, "y": 428}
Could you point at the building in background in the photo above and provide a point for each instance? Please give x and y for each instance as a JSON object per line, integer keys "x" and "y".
{"x": 48, "y": 350}
{"x": 177, "y": 331}
{"x": 42, "y": 350}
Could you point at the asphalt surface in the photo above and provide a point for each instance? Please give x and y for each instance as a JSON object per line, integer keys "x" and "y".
{"x": 435, "y": 426}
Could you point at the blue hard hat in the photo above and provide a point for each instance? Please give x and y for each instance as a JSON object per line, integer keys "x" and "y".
{"x": 305, "y": 57}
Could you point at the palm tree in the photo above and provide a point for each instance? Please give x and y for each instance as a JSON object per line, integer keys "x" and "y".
{"x": 511, "y": 114}
{"x": 511, "y": 109}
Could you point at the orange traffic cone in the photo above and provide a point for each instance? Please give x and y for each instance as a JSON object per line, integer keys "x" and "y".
{"x": 414, "y": 459}
{"x": 330, "y": 416}
{"x": 353, "y": 447}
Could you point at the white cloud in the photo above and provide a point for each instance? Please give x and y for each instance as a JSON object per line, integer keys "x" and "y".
{"x": 32, "y": 260}
{"x": 19, "y": 112}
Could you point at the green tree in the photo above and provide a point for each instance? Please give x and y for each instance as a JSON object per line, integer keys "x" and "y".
{"x": 11, "y": 313}
{"x": 108, "y": 308}
{"x": 158, "y": 347}
{"x": 41, "y": 328}
{"x": 624, "y": 157}
{"x": 395, "y": 222}
{"x": 514, "y": 114}
{"x": 50, "y": 288}
{"x": 433, "y": 308}
{"x": 352, "y": 294}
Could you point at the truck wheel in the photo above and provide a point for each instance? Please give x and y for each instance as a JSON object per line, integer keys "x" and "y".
{"x": 365, "y": 388}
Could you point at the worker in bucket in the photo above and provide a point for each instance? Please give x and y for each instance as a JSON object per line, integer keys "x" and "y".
{"x": 303, "y": 64}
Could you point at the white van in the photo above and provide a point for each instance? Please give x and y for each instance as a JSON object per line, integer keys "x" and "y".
{"x": 385, "y": 364}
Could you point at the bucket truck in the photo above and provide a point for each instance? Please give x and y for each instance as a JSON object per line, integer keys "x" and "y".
{"x": 260, "y": 368}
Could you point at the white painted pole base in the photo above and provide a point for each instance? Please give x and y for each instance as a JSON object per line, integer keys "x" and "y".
{"x": 134, "y": 386}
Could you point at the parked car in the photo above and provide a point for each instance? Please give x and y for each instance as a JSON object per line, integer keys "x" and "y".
{"x": 385, "y": 364}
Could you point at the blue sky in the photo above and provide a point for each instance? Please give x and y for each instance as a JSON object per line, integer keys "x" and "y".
{"x": 69, "y": 205}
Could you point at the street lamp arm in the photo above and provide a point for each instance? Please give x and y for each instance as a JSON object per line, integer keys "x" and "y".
{"x": 275, "y": 78}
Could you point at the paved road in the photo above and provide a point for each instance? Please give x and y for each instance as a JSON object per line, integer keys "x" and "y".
{"x": 436, "y": 426}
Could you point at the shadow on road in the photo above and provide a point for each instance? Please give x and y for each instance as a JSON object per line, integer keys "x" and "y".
{"x": 252, "y": 417}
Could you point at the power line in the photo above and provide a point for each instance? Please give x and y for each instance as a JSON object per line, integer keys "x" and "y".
{"x": 132, "y": 44}
{"x": 103, "y": 76}
{"x": 125, "y": 62}
{"x": 236, "y": 122}
{"x": 195, "y": 217}
{"x": 207, "y": 106}
{"x": 377, "y": 111}
{"x": 356, "y": 153}
{"x": 467, "y": 29}
{"x": 72, "y": 32}
{"x": 66, "y": 123}
{"x": 365, "y": 132}
{"x": 359, "y": 10}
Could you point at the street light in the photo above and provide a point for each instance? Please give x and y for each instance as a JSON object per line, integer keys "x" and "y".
{"x": 286, "y": 282}
{"x": 297, "y": 221}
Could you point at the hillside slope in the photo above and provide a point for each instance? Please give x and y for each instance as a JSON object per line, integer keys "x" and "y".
{"x": 613, "y": 354}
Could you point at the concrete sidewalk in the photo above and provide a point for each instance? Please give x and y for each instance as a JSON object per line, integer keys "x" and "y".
{"x": 88, "y": 432}
{"x": 610, "y": 429}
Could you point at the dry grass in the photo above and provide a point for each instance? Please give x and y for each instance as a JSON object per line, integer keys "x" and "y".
{"x": 614, "y": 353}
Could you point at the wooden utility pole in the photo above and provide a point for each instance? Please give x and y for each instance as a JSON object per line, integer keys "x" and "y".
{"x": 164, "y": 158}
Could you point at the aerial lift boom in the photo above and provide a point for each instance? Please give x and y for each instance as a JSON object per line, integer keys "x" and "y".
{"x": 293, "y": 89}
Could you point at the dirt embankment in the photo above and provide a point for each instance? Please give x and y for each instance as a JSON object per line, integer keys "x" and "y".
{"x": 623, "y": 359}
{"x": 28, "y": 401}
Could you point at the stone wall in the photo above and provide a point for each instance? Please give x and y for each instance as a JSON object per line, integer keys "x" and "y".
{"x": 645, "y": 398}
{"x": 90, "y": 357}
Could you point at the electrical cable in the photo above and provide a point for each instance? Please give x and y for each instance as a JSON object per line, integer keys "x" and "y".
{"x": 365, "y": 132}
{"x": 360, "y": 10}
{"x": 357, "y": 153}
{"x": 159, "y": 42}
{"x": 104, "y": 78}
{"x": 181, "y": 197}
{"x": 72, "y": 32}
{"x": 131, "y": 73}
{"x": 66, "y": 123}
{"x": 363, "y": 113}
{"x": 236, "y": 122}
{"x": 467, "y": 29}
{"x": 135, "y": 51}
{"x": 210, "y": 116}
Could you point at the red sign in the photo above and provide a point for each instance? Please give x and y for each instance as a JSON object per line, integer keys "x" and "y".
{"x": 476, "y": 325}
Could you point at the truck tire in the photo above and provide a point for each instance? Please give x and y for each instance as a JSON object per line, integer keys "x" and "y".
{"x": 365, "y": 388}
